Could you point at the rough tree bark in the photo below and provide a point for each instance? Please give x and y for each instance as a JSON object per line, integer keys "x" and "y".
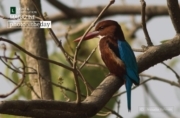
{"x": 35, "y": 43}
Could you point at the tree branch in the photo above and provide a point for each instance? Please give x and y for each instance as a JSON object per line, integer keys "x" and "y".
{"x": 156, "y": 54}
{"x": 89, "y": 107}
{"x": 174, "y": 12}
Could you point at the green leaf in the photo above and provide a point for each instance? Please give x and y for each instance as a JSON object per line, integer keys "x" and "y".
{"x": 163, "y": 41}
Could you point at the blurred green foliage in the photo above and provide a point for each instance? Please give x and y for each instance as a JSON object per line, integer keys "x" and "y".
{"x": 142, "y": 116}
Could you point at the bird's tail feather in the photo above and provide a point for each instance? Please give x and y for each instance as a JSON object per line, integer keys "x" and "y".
{"x": 128, "y": 89}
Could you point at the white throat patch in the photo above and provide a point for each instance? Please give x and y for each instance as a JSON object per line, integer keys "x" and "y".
{"x": 100, "y": 37}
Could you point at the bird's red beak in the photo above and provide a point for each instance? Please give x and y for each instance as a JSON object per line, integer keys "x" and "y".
{"x": 90, "y": 35}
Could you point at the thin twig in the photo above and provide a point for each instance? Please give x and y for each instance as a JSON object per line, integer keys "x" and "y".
{"x": 15, "y": 70}
{"x": 34, "y": 56}
{"x": 173, "y": 83}
{"x": 8, "y": 78}
{"x": 77, "y": 86}
{"x": 150, "y": 78}
{"x": 87, "y": 84}
{"x": 143, "y": 12}
{"x": 90, "y": 63}
{"x": 90, "y": 55}
{"x": 113, "y": 112}
{"x": 32, "y": 89}
{"x": 134, "y": 87}
{"x": 18, "y": 85}
{"x": 176, "y": 74}
{"x": 67, "y": 89}
{"x": 60, "y": 82}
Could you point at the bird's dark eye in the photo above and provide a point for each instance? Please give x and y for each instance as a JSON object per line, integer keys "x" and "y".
{"x": 100, "y": 28}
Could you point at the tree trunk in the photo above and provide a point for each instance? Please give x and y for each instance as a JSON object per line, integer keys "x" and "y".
{"x": 35, "y": 43}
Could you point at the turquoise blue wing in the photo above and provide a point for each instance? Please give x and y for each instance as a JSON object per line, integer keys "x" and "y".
{"x": 127, "y": 56}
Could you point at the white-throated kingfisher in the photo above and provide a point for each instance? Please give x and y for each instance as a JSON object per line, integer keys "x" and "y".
{"x": 116, "y": 54}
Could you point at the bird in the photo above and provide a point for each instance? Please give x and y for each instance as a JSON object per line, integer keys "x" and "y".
{"x": 116, "y": 53}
